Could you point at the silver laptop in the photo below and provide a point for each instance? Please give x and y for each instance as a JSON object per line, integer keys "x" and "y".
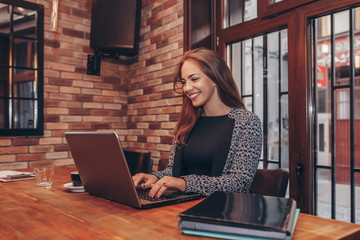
{"x": 103, "y": 169}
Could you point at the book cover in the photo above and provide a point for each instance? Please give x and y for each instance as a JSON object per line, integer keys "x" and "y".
{"x": 242, "y": 214}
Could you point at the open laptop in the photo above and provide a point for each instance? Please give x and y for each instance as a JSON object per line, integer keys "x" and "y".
{"x": 103, "y": 169}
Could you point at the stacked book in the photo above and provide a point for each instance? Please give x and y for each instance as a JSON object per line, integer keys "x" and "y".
{"x": 10, "y": 176}
{"x": 241, "y": 216}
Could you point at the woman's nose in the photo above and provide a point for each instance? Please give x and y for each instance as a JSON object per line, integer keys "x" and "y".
{"x": 187, "y": 87}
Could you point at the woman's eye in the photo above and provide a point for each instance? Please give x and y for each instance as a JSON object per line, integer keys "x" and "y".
{"x": 194, "y": 79}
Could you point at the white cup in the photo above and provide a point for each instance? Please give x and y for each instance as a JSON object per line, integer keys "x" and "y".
{"x": 44, "y": 176}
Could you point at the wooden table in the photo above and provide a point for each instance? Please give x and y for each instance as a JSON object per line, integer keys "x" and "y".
{"x": 31, "y": 213}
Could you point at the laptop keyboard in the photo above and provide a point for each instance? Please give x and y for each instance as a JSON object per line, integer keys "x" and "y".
{"x": 144, "y": 194}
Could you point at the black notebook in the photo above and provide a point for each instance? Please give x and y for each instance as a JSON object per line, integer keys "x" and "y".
{"x": 241, "y": 214}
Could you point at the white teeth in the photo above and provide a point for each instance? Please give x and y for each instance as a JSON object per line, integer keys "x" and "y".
{"x": 193, "y": 95}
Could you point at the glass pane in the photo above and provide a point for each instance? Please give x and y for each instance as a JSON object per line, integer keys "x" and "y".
{"x": 235, "y": 12}
{"x": 258, "y": 76}
{"x": 261, "y": 86}
{"x": 24, "y": 22}
{"x": 4, "y": 34}
{"x": 284, "y": 127}
{"x": 342, "y": 61}
{"x": 248, "y": 68}
{"x": 238, "y": 11}
{"x": 357, "y": 18}
{"x": 273, "y": 166}
{"x": 342, "y": 104}
{"x": 341, "y": 21}
{"x": 261, "y": 164}
{"x": 323, "y": 136}
{"x": 19, "y": 81}
{"x": 342, "y": 154}
{"x": 5, "y": 19}
{"x": 357, "y": 129}
{"x": 250, "y": 10}
{"x": 236, "y": 63}
{"x": 23, "y": 113}
{"x": 357, "y": 198}
{"x": 273, "y": 95}
{"x": 24, "y": 53}
{"x": 4, "y": 50}
{"x": 248, "y": 103}
{"x": 284, "y": 60}
{"x": 340, "y": 99}
{"x": 343, "y": 201}
{"x": 4, "y": 113}
{"x": 200, "y": 24}
{"x": 4, "y": 82}
{"x": 323, "y": 193}
{"x": 24, "y": 84}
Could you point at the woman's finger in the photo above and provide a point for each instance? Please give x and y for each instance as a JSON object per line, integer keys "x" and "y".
{"x": 162, "y": 189}
{"x": 151, "y": 179}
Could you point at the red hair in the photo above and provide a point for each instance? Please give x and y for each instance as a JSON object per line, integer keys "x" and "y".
{"x": 215, "y": 68}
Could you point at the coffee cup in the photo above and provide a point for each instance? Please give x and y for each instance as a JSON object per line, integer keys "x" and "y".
{"x": 75, "y": 178}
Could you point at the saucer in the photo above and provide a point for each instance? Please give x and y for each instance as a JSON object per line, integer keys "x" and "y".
{"x": 71, "y": 187}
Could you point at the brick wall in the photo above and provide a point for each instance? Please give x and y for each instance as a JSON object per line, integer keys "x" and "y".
{"x": 153, "y": 107}
{"x": 135, "y": 100}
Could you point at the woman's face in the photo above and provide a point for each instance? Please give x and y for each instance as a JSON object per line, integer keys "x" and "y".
{"x": 197, "y": 86}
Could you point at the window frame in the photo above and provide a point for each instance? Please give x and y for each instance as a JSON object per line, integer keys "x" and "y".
{"x": 267, "y": 9}
{"x": 39, "y": 53}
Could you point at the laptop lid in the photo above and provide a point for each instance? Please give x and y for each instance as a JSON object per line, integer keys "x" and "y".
{"x": 104, "y": 172}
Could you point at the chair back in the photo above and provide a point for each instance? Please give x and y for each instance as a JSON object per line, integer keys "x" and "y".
{"x": 270, "y": 182}
{"x": 162, "y": 164}
{"x": 138, "y": 162}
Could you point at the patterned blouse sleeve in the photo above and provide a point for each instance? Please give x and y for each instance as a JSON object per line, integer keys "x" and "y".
{"x": 241, "y": 164}
{"x": 169, "y": 168}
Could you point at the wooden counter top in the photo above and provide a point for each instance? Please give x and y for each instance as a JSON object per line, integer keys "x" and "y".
{"x": 56, "y": 213}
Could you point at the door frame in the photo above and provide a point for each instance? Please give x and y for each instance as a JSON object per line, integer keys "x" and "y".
{"x": 299, "y": 82}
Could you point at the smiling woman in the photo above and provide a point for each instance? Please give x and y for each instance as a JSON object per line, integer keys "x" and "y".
{"x": 21, "y": 68}
{"x": 217, "y": 141}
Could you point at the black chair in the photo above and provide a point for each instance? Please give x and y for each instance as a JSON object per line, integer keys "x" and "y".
{"x": 270, "y": 182}
{"x": 138, "y": 162}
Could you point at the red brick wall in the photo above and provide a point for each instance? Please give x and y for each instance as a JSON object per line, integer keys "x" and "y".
{"x": 135, "y": 100}
{"x": 152, "y": 106}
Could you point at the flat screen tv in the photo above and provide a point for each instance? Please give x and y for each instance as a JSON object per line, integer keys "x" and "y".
{"x": 115, "y": 26}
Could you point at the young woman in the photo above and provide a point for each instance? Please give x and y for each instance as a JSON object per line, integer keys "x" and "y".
{"x": 217, "y": 141}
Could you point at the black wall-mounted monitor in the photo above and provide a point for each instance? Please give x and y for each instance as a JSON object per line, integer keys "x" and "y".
{"x": 115, "y": 26}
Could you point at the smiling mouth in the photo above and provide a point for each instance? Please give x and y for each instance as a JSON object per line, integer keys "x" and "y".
{"x": 193, "y": 96}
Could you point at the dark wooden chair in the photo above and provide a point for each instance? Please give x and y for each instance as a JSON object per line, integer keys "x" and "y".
{"x": 138, "y": 162}
{"x": 270, "y": 182}
{"x": 162, "y": 164}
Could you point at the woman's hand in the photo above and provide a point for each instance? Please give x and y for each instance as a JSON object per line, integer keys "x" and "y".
{"x": 167, "y": 182}
{"x": 146, "y": 180}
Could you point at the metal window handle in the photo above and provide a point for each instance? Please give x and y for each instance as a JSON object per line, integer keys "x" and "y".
{"x": 299, "y": 172}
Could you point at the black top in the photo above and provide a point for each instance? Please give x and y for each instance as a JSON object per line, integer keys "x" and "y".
{"x": 201, "y": 145}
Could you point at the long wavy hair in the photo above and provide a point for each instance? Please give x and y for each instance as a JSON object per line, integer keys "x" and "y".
{"x": 215, "y": 68}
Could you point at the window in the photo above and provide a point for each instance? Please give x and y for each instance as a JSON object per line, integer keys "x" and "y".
{"x": 335, "y": 41}
{"x": 21, "y": 68}
{"x": 259, "y": 66}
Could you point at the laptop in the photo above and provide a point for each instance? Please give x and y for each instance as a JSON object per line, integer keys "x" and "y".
{"x": 104, "y": 171}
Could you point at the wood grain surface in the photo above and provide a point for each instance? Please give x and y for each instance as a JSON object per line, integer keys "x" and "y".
{"x": 28, "y": 212}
